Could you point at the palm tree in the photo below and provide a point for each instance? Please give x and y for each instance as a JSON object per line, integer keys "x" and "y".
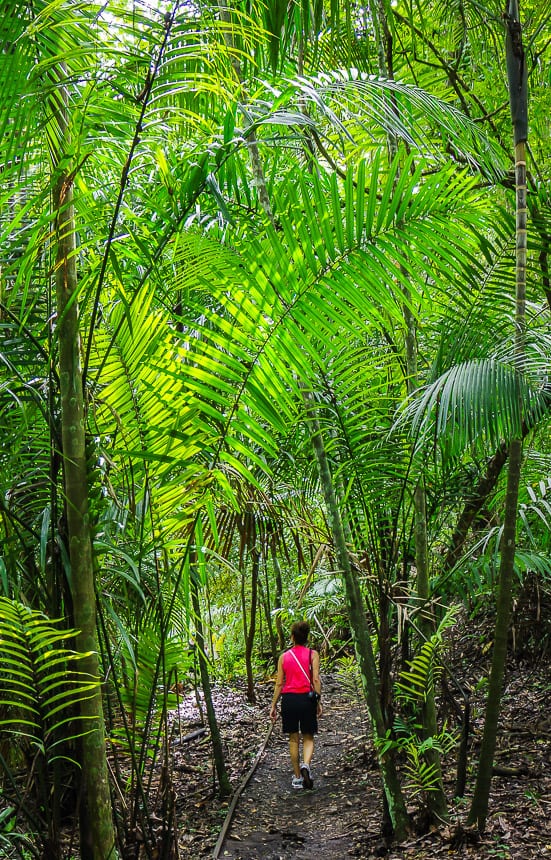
{"x": 518, "y": 89}
{"x": 204, "y": 321}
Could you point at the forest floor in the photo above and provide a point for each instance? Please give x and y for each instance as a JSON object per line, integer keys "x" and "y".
{"x": 342, "y": 816}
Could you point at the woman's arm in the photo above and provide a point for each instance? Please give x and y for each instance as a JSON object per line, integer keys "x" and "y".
{"x": 277, "y": 689}
{"x": 316, "y": 680}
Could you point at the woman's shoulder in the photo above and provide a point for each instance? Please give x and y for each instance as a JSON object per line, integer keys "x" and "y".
{"x": 305, "y": 649}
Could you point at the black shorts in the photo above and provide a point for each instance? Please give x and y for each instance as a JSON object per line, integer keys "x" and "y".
{"x": 299, "y": 714}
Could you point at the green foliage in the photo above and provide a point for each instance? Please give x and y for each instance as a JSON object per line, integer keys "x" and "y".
{"x": 12, "y": 842}
{"x": 422, "y": 776}
{"x": 474, "y": 580}
{"x": 356, "y": 110}
{"x": 418, "y": 681}
{"x": 475, "y": 403}
{"x": 348, "y": 674}
{"x": 41, "y": 689}
{"x": 407, "y": 735}
{"x": 40, "y": 685}
{"x": 420, "y": 678}
{"x": 405, "y": 738}
{"x": 229, "y": 660}
{"x": 150, "y": 665}
{"x": 325, "y": 596}
{"x": 201, "y": 321}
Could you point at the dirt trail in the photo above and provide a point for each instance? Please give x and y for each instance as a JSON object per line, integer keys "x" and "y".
{"x": 341, "y": 817}
{"x": 338, "y": 819}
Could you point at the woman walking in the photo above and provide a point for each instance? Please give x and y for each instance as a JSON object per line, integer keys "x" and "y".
{"x": 298, "y": 682}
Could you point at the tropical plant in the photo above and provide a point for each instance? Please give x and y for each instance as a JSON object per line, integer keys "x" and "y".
{"x": 42, "y": 684}
{"x": 254, "y": 273}
{"x": 518, "y": 97}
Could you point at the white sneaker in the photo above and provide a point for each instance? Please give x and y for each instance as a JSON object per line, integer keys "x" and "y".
{"x": 297, "y": 782}
{"x": 307, "y": 781}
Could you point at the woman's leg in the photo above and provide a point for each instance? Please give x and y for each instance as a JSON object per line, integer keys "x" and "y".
{"x": 294, "y": 752}
{"x": 307, "y": 748}
{"x": 307, "y": 753}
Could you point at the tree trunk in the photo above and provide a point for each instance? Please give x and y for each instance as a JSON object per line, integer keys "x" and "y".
{"x": 479, "y": 806}
{"x": 278, "y": 595}
{"x": 250, "y": 629}
{"x": 436, "y": 799}
{"x": 360, "y": 630}
{"x": 266, "y": 603}
{"x": 216, "y": 740}
{"x": 254, "y": 153}
{"x": 97, "y": 834}
{"x": 516, "y": 70}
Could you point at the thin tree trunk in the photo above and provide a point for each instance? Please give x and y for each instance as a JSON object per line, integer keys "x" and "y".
{"x": 278, "y": 595}
{"x": 97, "y": 835}
{"x": 254, "y": 153}
{"x": 266, "y": 603}
{"x": 250, "y": 629}
{"x": 516, "y": 69}
{"x": 479, "y": 807}
{"x": 360, "y": 630}
{"x": 216, "y": 740}
{"x": 436, "y": 799}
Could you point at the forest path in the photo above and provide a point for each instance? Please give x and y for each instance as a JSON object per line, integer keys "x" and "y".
{"x": 342, "y": 816}
{"x": 338, "y": 819}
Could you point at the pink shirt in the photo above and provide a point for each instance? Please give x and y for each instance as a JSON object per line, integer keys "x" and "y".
{"x": 295, "y": 679}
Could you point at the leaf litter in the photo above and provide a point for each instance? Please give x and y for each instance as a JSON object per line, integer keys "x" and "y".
{"x": 342, "y": 816}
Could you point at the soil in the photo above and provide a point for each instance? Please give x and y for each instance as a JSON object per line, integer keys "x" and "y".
{"x": 272, "y": 820}
{"x": 342, "y": 816}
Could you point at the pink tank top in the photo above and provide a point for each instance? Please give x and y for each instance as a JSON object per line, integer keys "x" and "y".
{"x": 295, "y": 679}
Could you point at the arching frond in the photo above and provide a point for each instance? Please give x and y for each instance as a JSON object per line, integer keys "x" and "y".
{"x": 473, "y": 403}
{"x": 360, "y": 109}
{"x": 38, "y": 689}
{"x": 416, "y": 681}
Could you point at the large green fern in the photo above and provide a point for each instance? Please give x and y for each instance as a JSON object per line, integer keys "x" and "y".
{"x": 40, "y": 685}
{"x": 40, "y": 691}
{"x": 412, "y": 688}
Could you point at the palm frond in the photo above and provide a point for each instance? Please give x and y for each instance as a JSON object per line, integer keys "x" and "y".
{"x": 360, "y": 109}
{"x": 39, "y": 689}
{"x": 16, "y": 61}
{"x": 533, "y": 562}
{"x": 144, "y": 686}
{"x": 261, "y": 318}
{"x": 476, "y": 402}
{"x": 416, "y": 682}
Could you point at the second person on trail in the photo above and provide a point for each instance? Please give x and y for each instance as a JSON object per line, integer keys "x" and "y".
{"x": 298, "y": 682}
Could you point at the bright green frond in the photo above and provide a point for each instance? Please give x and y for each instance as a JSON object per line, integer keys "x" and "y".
{"x": 475, "y": 402}
{"x": 36, "y": 680}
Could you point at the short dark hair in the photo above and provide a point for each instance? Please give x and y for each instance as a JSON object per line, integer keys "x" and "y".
{"x": 300, "y": 631}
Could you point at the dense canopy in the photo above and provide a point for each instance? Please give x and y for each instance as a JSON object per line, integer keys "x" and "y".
{"x": 274, "y": 311}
